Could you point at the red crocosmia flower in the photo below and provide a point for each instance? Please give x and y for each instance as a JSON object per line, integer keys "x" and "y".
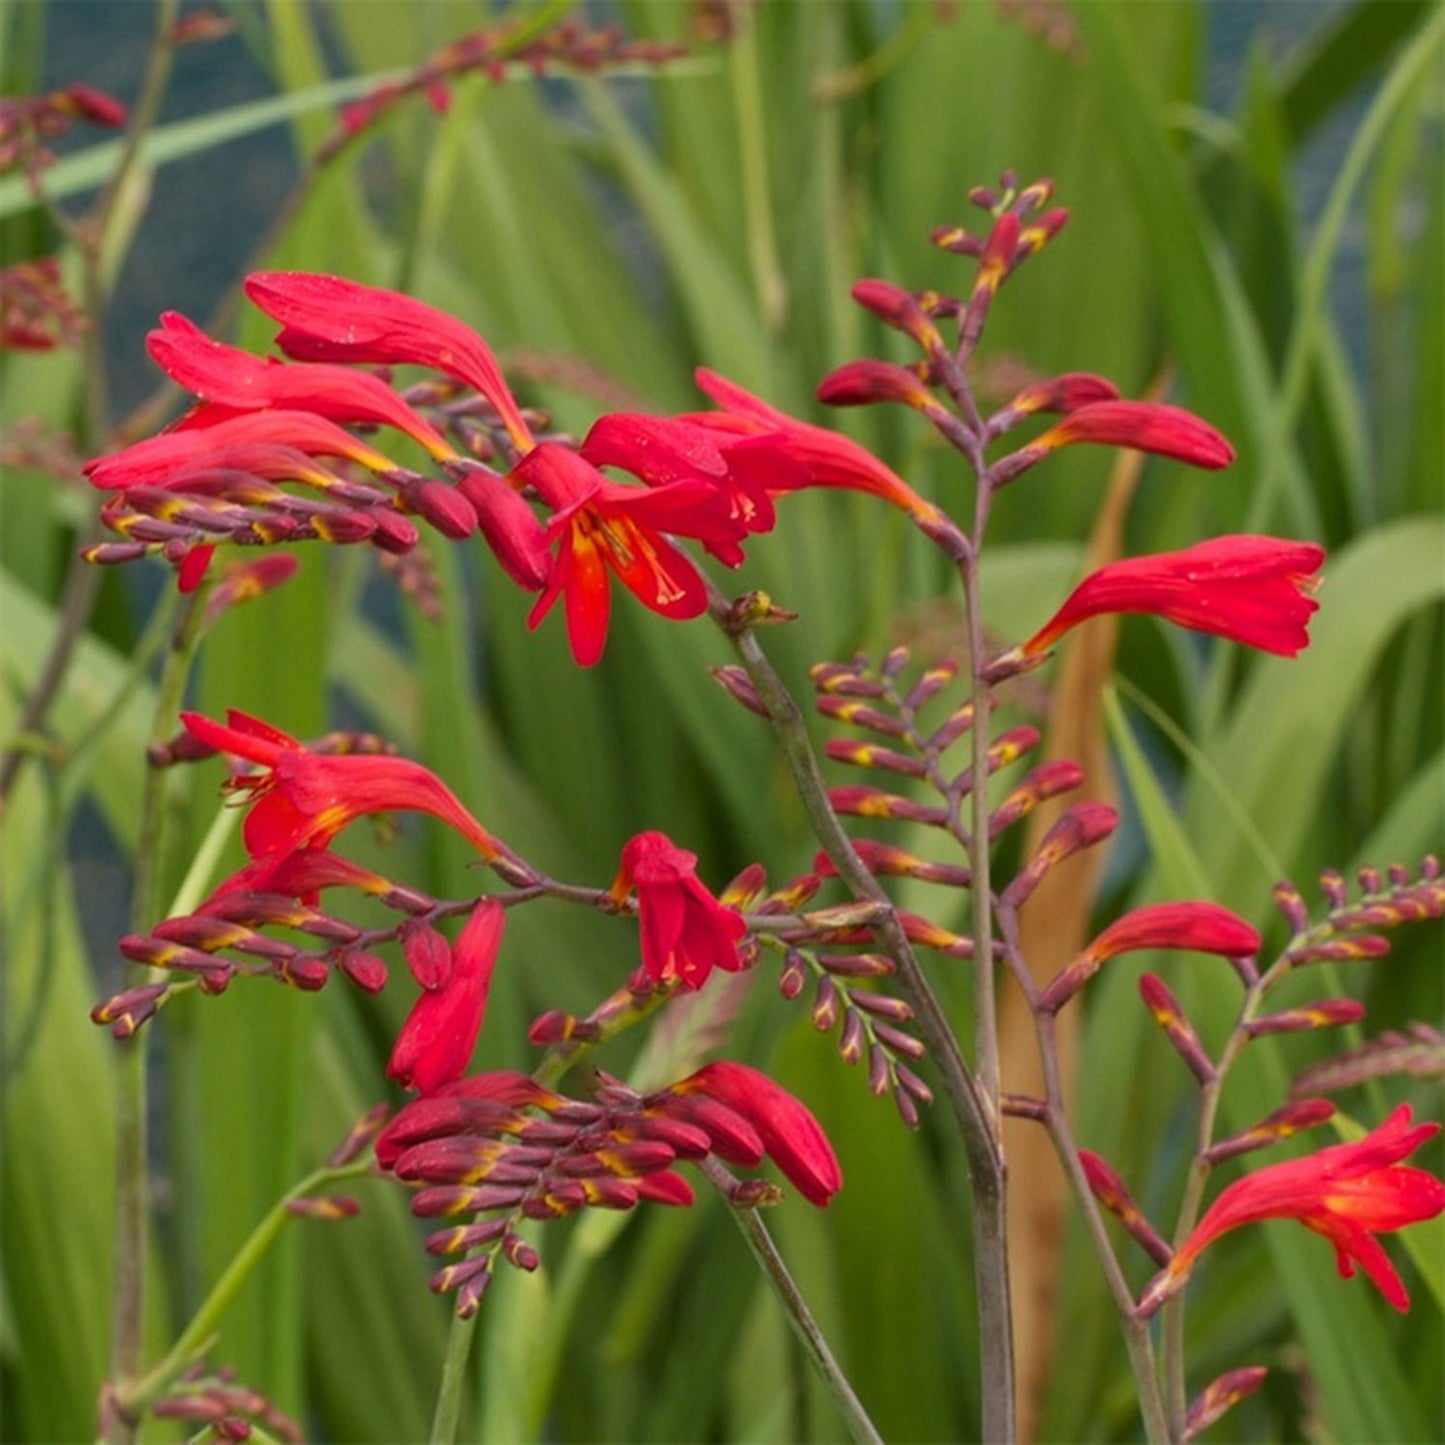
{"x": 327, "y": 318}
{"x": 791, "y": 1135}
{"x": 1254, "y": 590}
{"x": 243, "y": 442}
{"x": 232, "y": 381}
{"x": 686, "y": 932}
{"x": 1201, "y": 927}
{"x": 304, "y": 799}
{"x": 435, "y": 1044}
{"x": 1349, "y": 1193}
{"x": 663, "y": 450}
{"x": 787, "y": 455}
{"x": 1168, "y": 431}
{"x": 599, "y": 525}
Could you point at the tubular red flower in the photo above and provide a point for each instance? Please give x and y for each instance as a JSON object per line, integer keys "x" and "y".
{"x": 328, "y": 318}
{"x": 599, "y": 525}
{"x": 1198, "y": 927}
{"x": 686, "y": 932}
{"x": 304, "y": 799}
{"x": 235, "y": 381}
{"x": 787, "y": 455}
{"x": 791, "y": 1135}
{"x": 1253, "y": 590}
{"x": 1348, "y": 1193}
{"x": 1201, "y": 927}
{"x": 268, "y": 443}
{"x": 1146, "y": 426}
{"x": 436, "y": 1041}
{"x": 663, "y": 450}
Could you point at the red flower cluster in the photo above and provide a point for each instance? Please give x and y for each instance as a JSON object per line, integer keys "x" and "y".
{"x": 221, "y": 473}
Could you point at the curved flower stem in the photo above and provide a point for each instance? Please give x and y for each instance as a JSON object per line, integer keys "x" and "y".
{"x": 785, "y": 1287}
{"x": 128, "y": 1309}
{"x": 1172, "y": 1314}
{"x": 970, "y": 1108}
{"x": 202, "y": 1328}
{"x": 1136, "y": 1331}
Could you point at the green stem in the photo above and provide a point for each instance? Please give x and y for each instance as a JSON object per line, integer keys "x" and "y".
{"x": 795, "y": 1306}
{"x": 202, "y": 1328}
{"x": 1172, "y": 1315}
{"x": 454, "y": 1372}
{"x": 971, "y": 1109}
{"x": 128, "y": 1307}
{"x": 1136, "y": 1331}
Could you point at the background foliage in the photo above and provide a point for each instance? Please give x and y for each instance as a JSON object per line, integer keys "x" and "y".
{"x": 612, "y": 234}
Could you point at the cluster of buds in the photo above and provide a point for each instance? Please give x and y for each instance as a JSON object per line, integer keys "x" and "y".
{"x": 502, "y": 1148}
{"x": 567, "y": 47}
{"x": 914, "y": 752}
{"x": 208, "y": 1400}
{"x": 28, "y": 123}
{"x": 869, "y": 1021}
{"x": 1347, "y": 930}
{"x": 37, "y": 313}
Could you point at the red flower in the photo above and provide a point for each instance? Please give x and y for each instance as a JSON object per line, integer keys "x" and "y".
{"x": 272, "y": 444}
{"x": 786, "y": 455}
{"x": 686, "y": 932}
{"x": 663, "y": 450}
{"x": 1196, "y": 927}
{"x": 1147, "y": 426}
{"x": 792, "y": 1137}
{"x": 232, "y": 381}
{"x": 327, "y": 318}
{"x": 304, "y": 799}
{"x": 1253, "y": 590}
{"x": 1348, "y": 1193}
{"x": 599, "y": 525}
{"x": 435, "y": 1044}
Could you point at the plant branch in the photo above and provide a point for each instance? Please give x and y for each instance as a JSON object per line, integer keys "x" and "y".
{"x": 795, "y": 1306}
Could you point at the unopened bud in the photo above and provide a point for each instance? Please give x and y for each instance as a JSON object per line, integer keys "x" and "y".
{"x": 1180, "y": 1032}
{"x": 444, "y": 506}
{"x": 736, "y": 682}
{"x": 1303, "y": 1114}
{"x": 427, "y": 952}
{"x": 1081, "y": 826}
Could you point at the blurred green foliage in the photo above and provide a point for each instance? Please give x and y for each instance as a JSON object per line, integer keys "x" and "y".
{"x": 627, "y": 230}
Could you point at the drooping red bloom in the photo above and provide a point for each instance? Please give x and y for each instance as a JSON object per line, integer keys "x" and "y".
{"x": 231, "y": 380}
{"x": 686, "y": 932}
{"x": 1253, "y": 590}
{"x": 304, "y": 799}
{"x": 435, "y": 1044}
{"x": 600, "y": 526}
{"x": 328, "y": 318}
{"x": 1348, "y": 1193}
{"x": 790, "y": 1134}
